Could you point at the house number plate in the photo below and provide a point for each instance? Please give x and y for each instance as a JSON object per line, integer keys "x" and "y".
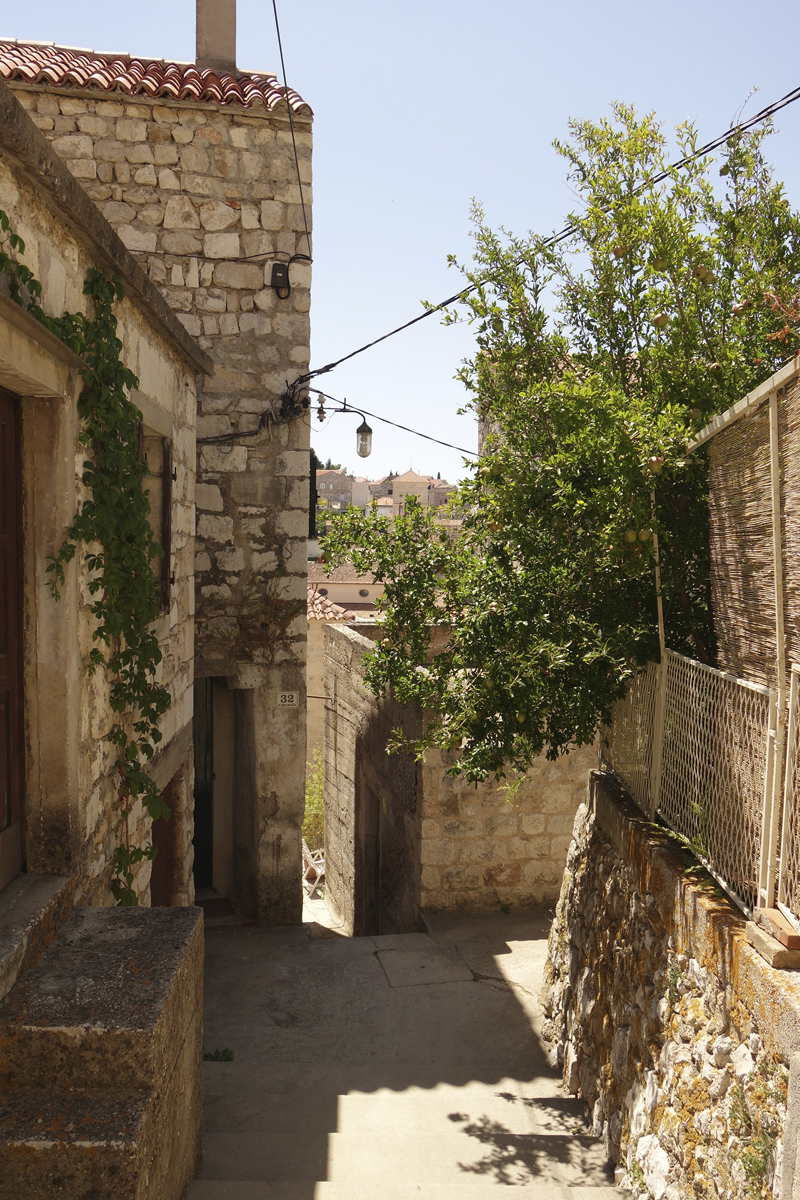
{"x": 287, "y": 700}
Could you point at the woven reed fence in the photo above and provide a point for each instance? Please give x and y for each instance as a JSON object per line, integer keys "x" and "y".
{"x": 742, "y": 570}
{"x": 704, "y": 748}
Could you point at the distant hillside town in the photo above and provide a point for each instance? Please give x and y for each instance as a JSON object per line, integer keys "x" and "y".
{"x": 337, "y": 490}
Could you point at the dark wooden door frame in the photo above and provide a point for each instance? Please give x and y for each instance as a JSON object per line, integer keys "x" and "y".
{"x": 12, "y": 743}
{"x": 203, "y": 783}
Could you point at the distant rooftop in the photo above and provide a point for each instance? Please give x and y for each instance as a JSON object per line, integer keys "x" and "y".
{"x": 100, "y": 71}
{"x": 346, "y": 573}
{"x": 320, "y": 608}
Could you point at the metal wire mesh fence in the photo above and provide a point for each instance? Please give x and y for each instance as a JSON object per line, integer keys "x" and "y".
{"x": 714, "y": 768}
{"x": 627, "y": 747}
{"x": 694, "y": 744}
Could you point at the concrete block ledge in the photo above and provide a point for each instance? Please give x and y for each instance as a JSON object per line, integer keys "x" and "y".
{"x": 112, "y": 1010}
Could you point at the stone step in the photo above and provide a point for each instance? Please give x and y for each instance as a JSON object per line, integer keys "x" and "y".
{"x": 478, "y": 1154}
{"x": 519, "y": 1108}
{"x": 212, "y": 1189}
{"x": 71, "y": 1143}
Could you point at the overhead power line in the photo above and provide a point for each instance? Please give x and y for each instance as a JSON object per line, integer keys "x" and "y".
{"x": 568, "y": 230}
{"x": 365, "y": 413}
{"x": 291, "y": 126}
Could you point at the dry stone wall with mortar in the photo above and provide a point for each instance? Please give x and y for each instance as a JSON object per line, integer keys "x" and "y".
{"x": 663, "y": 1018}
{"x": 73, "y": 822}
{"x": 194, "y": 190}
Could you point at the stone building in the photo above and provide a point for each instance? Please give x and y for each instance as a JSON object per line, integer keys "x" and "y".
{"x": 346, "y": 587}
{"x": 408, "y": 484}
{"x": 67, "y": 1123}
{"x": 380, "y": 488}
{"x": 335, "y": 487}
{"x": 194, "y": 169}
{"x": 403, "y": 837}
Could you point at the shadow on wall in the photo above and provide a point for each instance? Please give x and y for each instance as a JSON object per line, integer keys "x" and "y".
{"x": 350, "y": 1067}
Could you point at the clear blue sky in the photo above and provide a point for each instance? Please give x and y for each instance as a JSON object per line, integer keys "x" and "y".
{"x": 421, "y": 106}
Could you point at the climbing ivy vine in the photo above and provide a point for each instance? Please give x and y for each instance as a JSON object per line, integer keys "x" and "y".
{"x": 113, "y": 528}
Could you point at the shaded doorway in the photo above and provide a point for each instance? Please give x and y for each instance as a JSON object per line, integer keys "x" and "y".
{"x": 163, "y": 839}
{"x": 11, "y": 705}
{"x": 203, "y": 734}
{"x": 224, "y": 800}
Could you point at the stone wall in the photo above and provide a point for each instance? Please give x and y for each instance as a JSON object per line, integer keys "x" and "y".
{"x": 663, "y": 1017}
{"x": 194, "y": 190}
{"x": 465, "y": 848}
{"x": 483, "y": 848}
{"x": 373, "y": 887}
{"x": 73, "y": 822}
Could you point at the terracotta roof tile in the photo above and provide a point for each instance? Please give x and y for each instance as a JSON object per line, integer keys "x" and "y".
{"x": 320, "y": 608}
{"x": 64, "y": 66}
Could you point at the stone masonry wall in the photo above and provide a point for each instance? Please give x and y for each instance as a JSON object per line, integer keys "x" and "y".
{"x": 663, "y": 1017}
{"x": 483, "y": 848}
{"x": 73, "y": 822}
{"x": 194, "y": 189}
{"x": 478, "y": 848}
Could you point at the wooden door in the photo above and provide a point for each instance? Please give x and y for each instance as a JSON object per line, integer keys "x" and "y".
{"x": 163, "y": 837}
{"x": 372, "y": 862}
{"x": 203, "y": 733}
{"x": 11, "y": 712}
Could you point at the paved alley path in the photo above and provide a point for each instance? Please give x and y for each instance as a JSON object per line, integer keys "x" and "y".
{"x": 397, "y": 1067}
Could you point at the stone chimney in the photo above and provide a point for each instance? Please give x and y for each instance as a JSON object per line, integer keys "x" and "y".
{"x": 216, "y": 35}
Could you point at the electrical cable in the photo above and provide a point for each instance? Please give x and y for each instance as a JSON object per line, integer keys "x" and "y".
{"x": 231, "y": 438}
{"x": 291, "y": 126}
{"x": 568, "y": 230}
{"x": 363, "y": 412}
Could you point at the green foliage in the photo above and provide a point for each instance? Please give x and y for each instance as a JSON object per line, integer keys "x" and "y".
{"x": 113, "y": 527}
{"x": 314, "y": 819}
{"x": 758, "y": 1132}
{"x": 218, "y": 1056}
{"x": 596, "y": 360}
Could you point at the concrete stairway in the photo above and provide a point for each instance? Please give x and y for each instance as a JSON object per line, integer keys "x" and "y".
{"x": 353, "y": 1080}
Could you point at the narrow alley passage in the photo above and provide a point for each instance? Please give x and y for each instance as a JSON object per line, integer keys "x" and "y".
{"x": 395, "y": 1066}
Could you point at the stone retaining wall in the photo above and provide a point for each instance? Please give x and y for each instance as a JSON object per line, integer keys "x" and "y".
{"x": 483, "y": 848}
{"x": 663, "y": 1017}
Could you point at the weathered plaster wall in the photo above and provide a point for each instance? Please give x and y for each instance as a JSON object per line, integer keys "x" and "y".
{"x": 663, "y": 1017}
{"x": 193, "y": 189}
{"x": 475, "y": 848}
{"x": 72, "y": 821}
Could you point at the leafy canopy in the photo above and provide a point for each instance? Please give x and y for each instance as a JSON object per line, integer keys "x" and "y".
{"x": 596, "y": 360}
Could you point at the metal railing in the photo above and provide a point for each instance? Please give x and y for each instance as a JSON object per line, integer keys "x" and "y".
{"x": 701, "y": 753}
{"x": 628, "y": 744}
